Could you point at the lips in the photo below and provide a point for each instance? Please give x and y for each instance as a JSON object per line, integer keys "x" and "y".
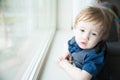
{"x": 84, "y": 43}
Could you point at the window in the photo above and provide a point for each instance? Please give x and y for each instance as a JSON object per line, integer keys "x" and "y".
{"x": 26, "y": 30}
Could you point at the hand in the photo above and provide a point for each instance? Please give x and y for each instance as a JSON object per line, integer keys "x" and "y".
{"x": 69, "y": 58}
{"x": 63, "y": 63}
{"x": 66, "y": 56}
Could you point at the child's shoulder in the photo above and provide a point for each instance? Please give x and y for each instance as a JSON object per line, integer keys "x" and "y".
{"x": 72, "y": 40}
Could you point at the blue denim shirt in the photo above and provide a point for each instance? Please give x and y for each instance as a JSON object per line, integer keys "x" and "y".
{"x": 90, "y": 60}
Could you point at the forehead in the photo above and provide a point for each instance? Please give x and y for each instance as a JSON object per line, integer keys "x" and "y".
{"x": 94, "y": 26}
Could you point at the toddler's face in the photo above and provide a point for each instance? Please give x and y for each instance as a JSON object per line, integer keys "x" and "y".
{"x": 87, "y": 34}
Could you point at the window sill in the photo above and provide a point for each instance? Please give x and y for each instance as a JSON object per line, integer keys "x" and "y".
{"x": 37, "y": 61}
{"x": 50, "y": 70}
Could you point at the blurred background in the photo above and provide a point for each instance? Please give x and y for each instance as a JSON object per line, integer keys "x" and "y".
{"x": 27, "y": 28}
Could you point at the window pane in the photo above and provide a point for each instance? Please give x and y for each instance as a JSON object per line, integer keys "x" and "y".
{"x": 25, "y": 28}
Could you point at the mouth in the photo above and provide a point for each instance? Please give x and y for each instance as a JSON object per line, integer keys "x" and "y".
{"x": 84, "y": 43}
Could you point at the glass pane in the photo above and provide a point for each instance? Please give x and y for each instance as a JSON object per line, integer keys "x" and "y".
{"x": 25, "y": 25}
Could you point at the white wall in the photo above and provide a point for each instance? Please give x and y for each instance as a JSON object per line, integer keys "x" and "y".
{"x": 67, "y": 10}
{"x": 64, "y": 14}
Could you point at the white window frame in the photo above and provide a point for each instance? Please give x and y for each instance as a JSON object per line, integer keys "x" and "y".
{"x": 32, "y": 70}
{"x": 35, "y": 67}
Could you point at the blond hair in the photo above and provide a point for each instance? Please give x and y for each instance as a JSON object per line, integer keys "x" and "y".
{"x": 97, "y": 15}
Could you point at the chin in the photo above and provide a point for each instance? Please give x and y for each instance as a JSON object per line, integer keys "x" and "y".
{"x": 85, "y": 47}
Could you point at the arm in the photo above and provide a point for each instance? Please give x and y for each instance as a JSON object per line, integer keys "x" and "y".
{"x": 71, "y": 70}
{"x": 74, "y": 72}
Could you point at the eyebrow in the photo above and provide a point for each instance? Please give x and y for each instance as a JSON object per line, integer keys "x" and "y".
{"x": 82, "y": 27}
{"x": 96, "y": 31}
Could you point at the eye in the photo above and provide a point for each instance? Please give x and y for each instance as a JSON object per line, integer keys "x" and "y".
{"x": 94, "y": 34}
{"x": 82, "y": 30}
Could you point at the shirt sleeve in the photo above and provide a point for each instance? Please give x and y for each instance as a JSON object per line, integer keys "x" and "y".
{"x": 93, "y": 63}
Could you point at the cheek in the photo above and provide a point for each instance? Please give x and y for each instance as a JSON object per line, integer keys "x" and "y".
{"x": 96, "y": 39}
{"x": 78, "y": 34}
{"x": 93, "y": 42}
{"x": 78, "y": 37}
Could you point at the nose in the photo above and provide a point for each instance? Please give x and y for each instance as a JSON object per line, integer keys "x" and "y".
{"x": 86, "y": 36}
